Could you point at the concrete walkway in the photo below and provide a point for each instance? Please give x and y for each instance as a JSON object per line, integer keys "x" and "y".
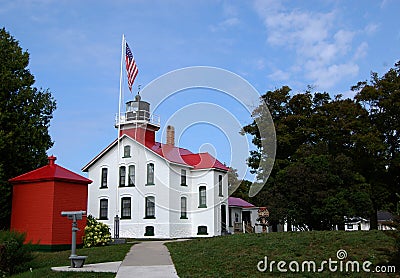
{"x": 101, "y": 267}
{"x": 147, "y": 259}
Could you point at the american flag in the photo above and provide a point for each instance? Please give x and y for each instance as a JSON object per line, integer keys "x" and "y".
{"x": 131, "y": 67}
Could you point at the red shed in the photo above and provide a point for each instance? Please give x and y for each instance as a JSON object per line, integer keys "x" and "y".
{"x": 39, "y": 197}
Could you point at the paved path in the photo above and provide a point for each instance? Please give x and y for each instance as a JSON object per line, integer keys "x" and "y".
{"x": 101, "y": 267}
{"x": 147, "y": 259}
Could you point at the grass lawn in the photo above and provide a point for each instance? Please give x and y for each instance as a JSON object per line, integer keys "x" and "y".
{"x": 238, "y": 255}
{"x": 44, "y": 261}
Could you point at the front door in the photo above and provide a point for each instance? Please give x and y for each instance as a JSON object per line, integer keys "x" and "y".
{"x": 223, "y": 218}
{"x": 246, "y": 217}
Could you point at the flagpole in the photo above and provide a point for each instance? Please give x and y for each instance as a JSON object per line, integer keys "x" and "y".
{"x": 116, "y": 219}
{"x": 120, "y": 89}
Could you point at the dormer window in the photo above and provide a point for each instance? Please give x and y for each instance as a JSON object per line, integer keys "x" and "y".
{"x": 127, "y": 151}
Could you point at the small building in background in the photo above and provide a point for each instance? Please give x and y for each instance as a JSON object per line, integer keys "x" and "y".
{"x": 356, "y": 224}
{"x": 385, "y": 220}
{"x": 39, "y": 197}
{"x": 242, "y": 216}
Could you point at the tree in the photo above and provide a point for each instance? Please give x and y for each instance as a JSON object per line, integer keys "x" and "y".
{"x": 322, "y": 146}
{"x": 238, "y": 188}
{"x": 25, "y": 114}
{"x": 381, "y": 98}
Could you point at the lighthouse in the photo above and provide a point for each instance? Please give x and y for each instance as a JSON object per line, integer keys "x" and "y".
{"x": 158, "y": 190}
{"x": 137, "y": 122}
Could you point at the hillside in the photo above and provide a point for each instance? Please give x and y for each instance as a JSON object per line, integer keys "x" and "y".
{"x": 238, "y": 255}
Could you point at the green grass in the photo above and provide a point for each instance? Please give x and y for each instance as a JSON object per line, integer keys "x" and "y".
{"x": 238, "y": 255}
{"x": 44, "y": 261}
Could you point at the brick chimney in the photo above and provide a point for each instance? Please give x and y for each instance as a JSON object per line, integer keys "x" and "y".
{"x": 170, "y": 135}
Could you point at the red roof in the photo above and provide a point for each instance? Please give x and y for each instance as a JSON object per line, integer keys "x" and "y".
{"x": 184, "y": 156}
{"x": 203, "y": 161}
{"x": 237, "y": 202}
{"x": 50, "y": 172}
{"x": 173, "y": 154}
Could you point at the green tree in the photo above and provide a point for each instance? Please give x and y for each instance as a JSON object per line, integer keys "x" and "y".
{"x": 238, "y": 188}
{"x": 381, "y": 98}
{"x": 322, "y": 144}
{"x": 25, "y": 114}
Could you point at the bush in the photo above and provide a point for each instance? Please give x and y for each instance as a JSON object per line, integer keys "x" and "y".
{"x": 96, "y": 233}
{"x": 14, "y": 254}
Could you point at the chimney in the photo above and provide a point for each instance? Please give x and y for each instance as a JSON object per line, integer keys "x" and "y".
{"x": 170, "y": 135}
{"x": 51, "y": 159}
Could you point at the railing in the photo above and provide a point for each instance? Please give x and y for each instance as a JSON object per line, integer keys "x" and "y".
{"x": 244, "y": 227}
{"x": 248, "y": 228}
{"x": 237, "y": 227}
{"x": 137, "y": 116}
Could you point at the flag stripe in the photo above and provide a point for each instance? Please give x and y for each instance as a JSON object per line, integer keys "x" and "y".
{"x": 131, "y": 68}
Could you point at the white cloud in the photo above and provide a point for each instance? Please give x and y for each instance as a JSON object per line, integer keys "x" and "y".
{"x": 279, "y": 75}
{"x": 384, "y": 3}
{"x": 230, "y": 13}
{"x": 260, "y": 64}
{"x": 323, "y": 50}
{"x": 361, "y": 51}
{"x": 225, "y": 24}
{"x": 371, "y": 28}
{"x": 326, "y": 76}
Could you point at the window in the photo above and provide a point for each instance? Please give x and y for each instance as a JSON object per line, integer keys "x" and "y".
{"x": 122, "y": 173}
{"x": 104, "y": 172}
{"x": 202, "y": 230}
{"x": 183, "y": 208}
{"x": 131, "y": 175}
{"x": 103, "y": 209}
{"x": 236, "y": 217}
{"x": 202, "y": 197}
{"x": 350, "y": 226}
{"x": 150, "y": 174}
{"x": 150, "y": 207}
{"x": 183, "y": 177}
{"x": 127, "y": 151}
{"x": 220, "y": 186}
{"x": 126, "y": 208}
{"x": 149, "y": 231}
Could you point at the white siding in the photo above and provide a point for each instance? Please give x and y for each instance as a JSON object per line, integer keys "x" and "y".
{"x": 167, "y": 191}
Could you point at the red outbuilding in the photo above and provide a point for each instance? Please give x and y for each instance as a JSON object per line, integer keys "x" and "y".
{"x": 39, "y": 197}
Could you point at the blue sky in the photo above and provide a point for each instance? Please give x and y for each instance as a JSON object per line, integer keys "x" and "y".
{"x": 75, "y": 49}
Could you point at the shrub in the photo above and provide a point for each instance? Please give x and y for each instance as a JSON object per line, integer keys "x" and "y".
{"x": 14, "y": 254}
{"x": 96, "y": 233}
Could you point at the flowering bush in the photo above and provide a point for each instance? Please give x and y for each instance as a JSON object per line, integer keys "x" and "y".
{"x": 96, "y": 233}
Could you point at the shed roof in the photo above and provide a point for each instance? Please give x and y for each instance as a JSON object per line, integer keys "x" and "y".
{"x": 50, "y": 172}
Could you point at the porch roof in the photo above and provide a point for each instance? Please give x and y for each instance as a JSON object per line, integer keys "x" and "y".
{"x": 238, "y": 202}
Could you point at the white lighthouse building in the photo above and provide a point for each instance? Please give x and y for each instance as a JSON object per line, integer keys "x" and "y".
{"x": 157, "y": 190}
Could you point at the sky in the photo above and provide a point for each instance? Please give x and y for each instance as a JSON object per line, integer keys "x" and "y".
{"x": 75, "y": 52}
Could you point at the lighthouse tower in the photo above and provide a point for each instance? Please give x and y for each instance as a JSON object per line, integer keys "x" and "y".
{"x": 138, "y": 123}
